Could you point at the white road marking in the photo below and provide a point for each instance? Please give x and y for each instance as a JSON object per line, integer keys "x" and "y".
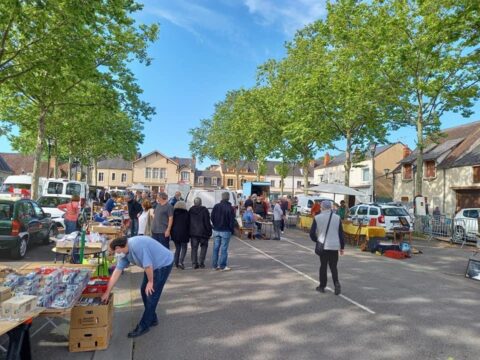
{"x": 306, "y": 276}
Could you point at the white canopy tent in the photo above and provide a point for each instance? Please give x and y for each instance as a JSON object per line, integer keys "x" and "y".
{"x": 336, "y": 189}
{"x": 138, "y": 187}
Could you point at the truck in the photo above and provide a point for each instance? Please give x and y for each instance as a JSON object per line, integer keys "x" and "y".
{"x": 256, "y": 187}
{"x": 172, "y": 188}
{"x": 21, "y": 185}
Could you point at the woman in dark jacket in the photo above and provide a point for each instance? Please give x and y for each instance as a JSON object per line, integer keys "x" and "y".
{"x": 180, "y": 232}
{"x": 200, "y": 232}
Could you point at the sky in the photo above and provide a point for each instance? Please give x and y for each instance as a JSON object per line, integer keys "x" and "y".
{"x": 208, "y": 47}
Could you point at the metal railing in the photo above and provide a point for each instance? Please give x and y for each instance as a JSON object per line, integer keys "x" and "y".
{"x": 459, "y": 231}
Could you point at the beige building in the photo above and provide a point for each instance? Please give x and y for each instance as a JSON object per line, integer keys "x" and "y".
{"x": 155, "y": 170}
{"x": 113, "y": 173}
{"x": 451, "y": 171}
{"x": 386, "y": 159}
{"x": 247, "y": 172}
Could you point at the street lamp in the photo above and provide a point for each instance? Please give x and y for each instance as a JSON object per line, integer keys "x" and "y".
{"x": 372, "y": 147}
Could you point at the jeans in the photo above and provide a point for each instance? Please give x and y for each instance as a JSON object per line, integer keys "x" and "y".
{"x": 277, "y": 224}
{"x": 180, "y": 252}
{"x": 160, "y": 237}
{"x": 221, "y": 239}
{"x": 203, "y": 242}
{"x": 160, "y": 277}
{"x": 70, "y": 226}
{"x": 134, "y": 227}
{"x": 328, "y": 258}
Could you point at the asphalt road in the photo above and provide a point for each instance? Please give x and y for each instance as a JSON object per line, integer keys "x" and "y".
{"x": 267, "y": 308}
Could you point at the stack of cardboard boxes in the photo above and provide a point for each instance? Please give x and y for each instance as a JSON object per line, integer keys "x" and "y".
{"x": 91, "y": 324}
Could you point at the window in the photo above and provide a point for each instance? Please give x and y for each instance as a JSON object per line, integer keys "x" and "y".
{"x": 214, "y": 181}
{"x": 230, "y": 182}
{"x": 373, "y": 211}
{"x": 54, "y": 188}
{"x": 472, "y": 214}
{"x": 73, "y": 189}
{"x": 124, "y": 177}
{"x": 163, "y": 173}
{"x": 113, "y": 176}
{"x": 148, "y": 173}
{"x": 394, "y": 211}
{"x": 353, "y": 210}
{"x": 272, "y": 183}
{"x": 200, "y": 180}
{"x": 155, "y": 173}
{"x": 362, "y": 210}
{"x": 476, "y": 174}
{"x": 38, "y": 211}
{"x": 299, "y": 184}
{"x": 365, "y": 174}
{"x": 100, "y": 176}
{"x": 407, "y": 172}
{"x": 25, "y": 211}
{"x": 185, "y": 176}
{"x": 430, "y": 171}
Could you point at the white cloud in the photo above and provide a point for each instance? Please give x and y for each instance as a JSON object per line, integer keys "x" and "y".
{"x": 291, "y": 15}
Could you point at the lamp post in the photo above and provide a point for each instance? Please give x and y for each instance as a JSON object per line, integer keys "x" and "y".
{"x": 372, "y": 148}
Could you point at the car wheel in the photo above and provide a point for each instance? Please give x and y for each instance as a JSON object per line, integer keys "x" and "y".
{"x": 458, "y": 235}
{"x": 51, "y": 233}
{"x": 20, "y": 251}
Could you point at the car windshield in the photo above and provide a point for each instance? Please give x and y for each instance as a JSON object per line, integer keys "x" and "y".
{"x": 52, "y": 202}
{"x": 6, "y": 211}
{"x": 394, "y": 211}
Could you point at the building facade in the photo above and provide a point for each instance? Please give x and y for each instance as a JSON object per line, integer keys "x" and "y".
{"x": 386, "y": 159}
{"x": 113, "y": 174}
{"x": 155, "y": 170}
{"x": 294, "y": 183}
{"x": 451, "y": 171}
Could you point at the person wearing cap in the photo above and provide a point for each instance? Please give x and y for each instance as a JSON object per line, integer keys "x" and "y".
{"x": 134, "y": 210}
{"x": 327, "y": 229}
{"x": 156, "y": 261}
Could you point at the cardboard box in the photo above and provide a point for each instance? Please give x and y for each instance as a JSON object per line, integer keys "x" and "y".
{"x": 18, "y": 306}
{"x": 84, "y": 317}
{"x": 5, "y": 293}
{"x": 106, "y": 229}
{"x": 91, "y": 339}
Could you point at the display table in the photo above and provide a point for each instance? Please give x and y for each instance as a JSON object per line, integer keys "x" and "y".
{"x": 358, "y": 234}
{"x": 305, "y": 222}
{"x": 397, "y": 233}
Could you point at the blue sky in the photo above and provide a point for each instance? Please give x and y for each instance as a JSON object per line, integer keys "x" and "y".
{"x": 207, "y": 47}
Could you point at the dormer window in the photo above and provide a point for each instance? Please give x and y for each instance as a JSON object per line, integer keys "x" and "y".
{"x": 430, "y": 169}
{"x": 407, "y": 172}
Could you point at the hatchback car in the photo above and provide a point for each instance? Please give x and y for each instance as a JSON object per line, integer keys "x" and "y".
{"x": 465, "y": 225}
{"x": 23, "y": 221}
{"x": 49, "y": 205}
{"x": 387, "y": 216}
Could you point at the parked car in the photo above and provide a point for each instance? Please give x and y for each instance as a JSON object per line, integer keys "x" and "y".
{"x": 23, "y": 221}
{"x": 49, "y": 205}
{"x": 305, "y": 203}
{"x": 387, "y": 216}
{"x": 465, "y": 225}
{"x": 210, "y": 198}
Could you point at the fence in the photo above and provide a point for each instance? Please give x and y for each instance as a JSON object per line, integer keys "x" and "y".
{"x": 457, "y": 230}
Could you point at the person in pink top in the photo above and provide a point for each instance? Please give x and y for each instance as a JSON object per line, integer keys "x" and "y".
{"x": 72, "y": 211}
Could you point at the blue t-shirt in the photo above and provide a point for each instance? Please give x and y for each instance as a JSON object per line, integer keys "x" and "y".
{"x": 109, "y": 205}
{"x": 145, "y": 251}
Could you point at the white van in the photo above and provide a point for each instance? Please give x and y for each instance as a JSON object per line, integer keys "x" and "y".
{"x": 21, "y": 185}
{"x": 210, "y": 198}
{"x": 305, "y": 202}
{"x": 66, "y": 188}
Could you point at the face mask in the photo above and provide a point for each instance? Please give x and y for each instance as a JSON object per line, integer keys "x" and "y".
{"x": 119, "y": 256}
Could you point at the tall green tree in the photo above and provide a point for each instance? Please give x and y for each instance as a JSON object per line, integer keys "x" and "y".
{"x": 429, "y": 55}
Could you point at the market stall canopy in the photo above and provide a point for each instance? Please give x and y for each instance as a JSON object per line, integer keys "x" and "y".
{"x": 336, "y": 189}
{"x": 138, "y": 187}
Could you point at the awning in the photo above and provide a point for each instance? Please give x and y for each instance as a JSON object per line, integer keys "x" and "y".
{"x": 336, "y": 189}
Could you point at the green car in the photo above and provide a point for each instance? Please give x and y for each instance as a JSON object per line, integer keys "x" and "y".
{"x": 21, "y": 222}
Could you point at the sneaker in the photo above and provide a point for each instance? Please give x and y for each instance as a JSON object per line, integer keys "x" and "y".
{"x": 202, "y": 266}
{"x": 282, "y": 232}
{"x": 216, "y": 268}
{"x": 226, "y": 268}
{"x": 320, "y": 289}
{"x": 196, "y": 266}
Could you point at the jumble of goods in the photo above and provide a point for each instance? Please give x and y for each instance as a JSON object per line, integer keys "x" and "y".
{"x": 47, "y": 287}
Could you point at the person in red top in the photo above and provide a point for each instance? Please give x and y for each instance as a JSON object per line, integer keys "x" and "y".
{"x": 72, "y": 211}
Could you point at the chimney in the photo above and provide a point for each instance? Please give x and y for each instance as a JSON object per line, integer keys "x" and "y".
{"x": 406, "y": 152}
{"x": 194, "y": 162}
{"x": 326, "y": 159}
{"x": 312, "y": 163}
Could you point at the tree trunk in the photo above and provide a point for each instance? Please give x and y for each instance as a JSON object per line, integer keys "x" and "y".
{"x": 282, "y": 185}
{"x": 420, "y": 145}
{"x": 69, "y": 167}
{"x": 237, "y": 176}
{"x": 348, "y": 162}
{"x": 38, "y": 154}
{"x": 95, "y": 170}
{"x": 55, "y": 163}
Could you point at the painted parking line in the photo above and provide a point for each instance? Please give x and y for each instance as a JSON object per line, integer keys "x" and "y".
{"x": 306, "y": 276}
